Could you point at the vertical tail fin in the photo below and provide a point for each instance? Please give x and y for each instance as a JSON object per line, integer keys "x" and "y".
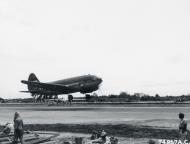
{"x": 32, "y": 77}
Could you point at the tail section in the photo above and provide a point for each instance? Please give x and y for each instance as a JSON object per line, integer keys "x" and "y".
{"x": 32, "y": 78}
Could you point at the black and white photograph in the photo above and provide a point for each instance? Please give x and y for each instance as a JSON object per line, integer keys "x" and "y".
{"x": 95, "y": 72}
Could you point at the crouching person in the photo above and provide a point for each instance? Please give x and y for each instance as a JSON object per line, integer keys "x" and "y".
{"x": 104, "y": 139}
{"x": 7, "y": 129}
{"x": 18, "y": 129}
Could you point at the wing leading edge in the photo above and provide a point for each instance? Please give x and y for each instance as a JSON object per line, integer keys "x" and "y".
{"x": 47, "y": 86}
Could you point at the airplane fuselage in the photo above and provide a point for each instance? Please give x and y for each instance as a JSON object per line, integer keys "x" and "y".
{"x": 82, "y": 84}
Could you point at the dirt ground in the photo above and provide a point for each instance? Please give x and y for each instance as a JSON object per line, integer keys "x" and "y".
{"x": 71, "y": 136}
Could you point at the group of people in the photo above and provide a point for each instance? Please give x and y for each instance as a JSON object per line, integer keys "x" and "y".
{"x": 101, "y": 138}
{"x": 17, "y": 129}
{"x": 104, "y": 139}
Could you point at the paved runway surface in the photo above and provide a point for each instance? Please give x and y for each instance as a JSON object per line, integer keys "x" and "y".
{"x": 152, "y": 116}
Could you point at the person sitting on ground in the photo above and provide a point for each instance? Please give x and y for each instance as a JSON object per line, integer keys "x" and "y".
{"x": 95, "y": 135}
{"x": 18, "y": 128}
{"x": 7, "y": 129}
{"x": 182, "y": 127}
{"x": 104, "y": 139}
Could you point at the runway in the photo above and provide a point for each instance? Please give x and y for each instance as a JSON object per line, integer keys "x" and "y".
{"x": 147, "y": 116}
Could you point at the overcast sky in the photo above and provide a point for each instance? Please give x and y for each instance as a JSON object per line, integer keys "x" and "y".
{"x": 134, "y": 45}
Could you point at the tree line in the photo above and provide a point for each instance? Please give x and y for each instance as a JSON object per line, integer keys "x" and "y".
{"x": 125, "y": 97}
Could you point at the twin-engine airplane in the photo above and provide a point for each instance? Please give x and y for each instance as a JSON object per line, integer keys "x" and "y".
{"x": 40, "y": 91}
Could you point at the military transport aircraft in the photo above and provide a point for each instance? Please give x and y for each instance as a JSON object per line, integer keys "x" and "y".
{"x": 40, "y": 91}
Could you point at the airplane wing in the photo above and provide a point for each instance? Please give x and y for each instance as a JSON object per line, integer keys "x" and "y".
{"x": 42, "y": 92}
{"x": 25, "y": 91}
{"x": 47, "y": 86}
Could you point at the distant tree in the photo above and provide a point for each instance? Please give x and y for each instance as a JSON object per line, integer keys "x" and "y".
{"x": 147, "y": 98}
{"x": 124, "y": 95}
{"x": 135, "y": 97}
{"x": 157, "y": 96}
{"x": 112, "y": 96}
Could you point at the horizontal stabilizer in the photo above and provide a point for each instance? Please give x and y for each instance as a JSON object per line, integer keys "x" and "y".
{"x": 25, "y": 91}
